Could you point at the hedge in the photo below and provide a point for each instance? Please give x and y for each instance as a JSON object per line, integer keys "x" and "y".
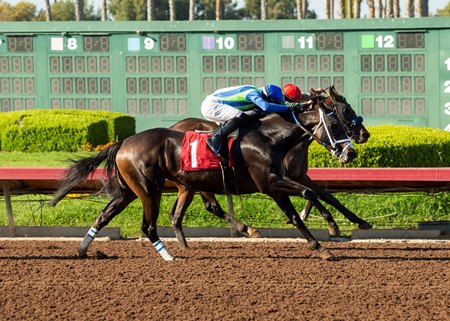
{"x": 393, "y": 146}
{"x": 61, "y": 130}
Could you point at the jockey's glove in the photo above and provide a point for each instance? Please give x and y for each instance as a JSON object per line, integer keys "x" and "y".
{"x": 298, "y": 106}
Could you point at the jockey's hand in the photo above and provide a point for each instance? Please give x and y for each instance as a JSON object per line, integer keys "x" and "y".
{"x": 299, "y": 106}
{"x": 294, "y": 106}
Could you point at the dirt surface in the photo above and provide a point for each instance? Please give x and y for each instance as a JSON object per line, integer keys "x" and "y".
{"x": 127, "y": 280}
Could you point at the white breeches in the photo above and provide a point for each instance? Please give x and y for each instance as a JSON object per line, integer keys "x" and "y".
{"x": 218, "y": 112}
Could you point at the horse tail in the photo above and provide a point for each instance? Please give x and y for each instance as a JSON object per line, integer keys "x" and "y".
{"x": 80, "y": 170}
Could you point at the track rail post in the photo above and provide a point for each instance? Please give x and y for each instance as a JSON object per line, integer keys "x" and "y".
{"x": 9, "y": 212}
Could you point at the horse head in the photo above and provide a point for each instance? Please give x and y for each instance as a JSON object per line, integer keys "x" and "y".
{"x": 323, "y": 125}
{"x": 353, "y": 123}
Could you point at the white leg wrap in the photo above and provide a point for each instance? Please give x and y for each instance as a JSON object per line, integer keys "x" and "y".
{"x": 162, "y": 249}
{"x": 303, "y": 215}
{"x": 88, "y": 239}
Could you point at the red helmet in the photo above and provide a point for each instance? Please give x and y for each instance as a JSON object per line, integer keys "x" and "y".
{"x": 292, "y": 92}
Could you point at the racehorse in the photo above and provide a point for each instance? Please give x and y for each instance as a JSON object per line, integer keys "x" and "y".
{"x": 296, "y": 163}
{"x": 141, "y": 163}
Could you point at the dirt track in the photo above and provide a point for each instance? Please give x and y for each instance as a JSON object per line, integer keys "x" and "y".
{"x": 43, "y": 280}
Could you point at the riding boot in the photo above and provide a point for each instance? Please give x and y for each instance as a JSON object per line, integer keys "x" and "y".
{"x": 220, "y": 134}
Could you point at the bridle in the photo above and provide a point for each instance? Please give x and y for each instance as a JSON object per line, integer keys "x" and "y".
{"x": 324, "y": 120}
{"x": 350, "y": 125}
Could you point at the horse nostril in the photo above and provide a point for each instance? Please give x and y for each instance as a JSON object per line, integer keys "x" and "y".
{"x": 351, "y": 155}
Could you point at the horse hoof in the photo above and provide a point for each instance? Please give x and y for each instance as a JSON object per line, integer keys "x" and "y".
{"x": 334, "y": 231}
{"x": 253, "y": 233}
{"x": 365, "y": 225}
{"x": 326, "y": 255}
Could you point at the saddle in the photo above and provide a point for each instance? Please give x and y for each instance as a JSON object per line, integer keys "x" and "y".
{"x": 197, "y": 156}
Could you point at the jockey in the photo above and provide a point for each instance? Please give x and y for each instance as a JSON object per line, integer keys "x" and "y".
{"x": 295, "y": 98}
{"x": 235, "y": 106}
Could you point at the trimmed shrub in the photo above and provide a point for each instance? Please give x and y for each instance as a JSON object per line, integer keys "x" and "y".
{"x": 393, "y": 146}
{"x": 61, "y": 130}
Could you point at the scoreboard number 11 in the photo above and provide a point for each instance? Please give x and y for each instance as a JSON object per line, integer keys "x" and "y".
{"x": 306, "y": 42}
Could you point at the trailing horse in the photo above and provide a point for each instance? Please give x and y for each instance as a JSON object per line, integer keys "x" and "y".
{"x": 141, "y": 164}
{"x": 296, "y": 163}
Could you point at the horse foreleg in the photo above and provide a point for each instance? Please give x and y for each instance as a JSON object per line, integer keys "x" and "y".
{"x": 288, "y": 209}
{"x": 114, "y": 207}
{"x": 184, "y": 199}
{"x": 212, "y": 205}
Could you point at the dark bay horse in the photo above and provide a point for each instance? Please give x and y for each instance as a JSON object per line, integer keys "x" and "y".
{"x": 140, "y": 164}
{"x": 296, "y": 164}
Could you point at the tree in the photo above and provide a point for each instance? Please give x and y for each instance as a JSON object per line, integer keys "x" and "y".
{"x": 357, "y": 9}
{"x": 348, "y": 9}
{"x": 22, "y": 11}
{"x": 276, "y": 9}
{"x": 79, "y": 10}
{"x": 172, "y": 15}
{"x": 150, "y": 10}
{"x": 379, "y": 9}
{"x": 445, "y": 12}
{"x": 48, "y": 10}
{"x": 191, "y": 9}
{"x": 128, "y": 10}
{"x": 206, "y": 10}
{"x": 263, "y": 9}
{"x": 327, "y": 9}
{"x": 371, "y": 4}
{"x": 409, "y": 9}
{"x": 389, "y": 12}
{"x": 341, "y": 9}
{"x": 422, "y": 8}
{"x": 64, "y": 10}
{"x": 104, "y": 9}
{"x": 396, "y": 8}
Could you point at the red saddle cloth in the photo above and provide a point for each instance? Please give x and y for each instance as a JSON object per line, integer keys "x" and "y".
{"x": 196, "y": 155}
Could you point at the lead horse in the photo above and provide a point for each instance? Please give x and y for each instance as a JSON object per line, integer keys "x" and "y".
{"x": 296, "y": 164}
{"x": 141, "y": 163}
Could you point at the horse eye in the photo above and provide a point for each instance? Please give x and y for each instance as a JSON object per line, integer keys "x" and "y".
{"x": 334, "y": 127}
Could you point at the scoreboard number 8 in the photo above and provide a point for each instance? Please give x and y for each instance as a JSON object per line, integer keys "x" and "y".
{"x": 72, "y": 44}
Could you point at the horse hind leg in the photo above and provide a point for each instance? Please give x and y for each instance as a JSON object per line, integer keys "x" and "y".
{"x": 184, "y": 199}
{"x": 114, "y": 207}
{"x": 212, "y": 205}
{"x": 333, "y": 228}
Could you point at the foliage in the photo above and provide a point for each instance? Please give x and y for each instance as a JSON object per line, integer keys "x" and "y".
{"x": 393, "y": 146}
{"x": 206, "y": 10}
{"x": 203, "y": 10}
{"x": 23, "y": 11}
{"x": 445, "y": 12}
{"x": 62, "y": 130}
{"x": 62, "y": 10}
{"x": 284, "y": 9}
